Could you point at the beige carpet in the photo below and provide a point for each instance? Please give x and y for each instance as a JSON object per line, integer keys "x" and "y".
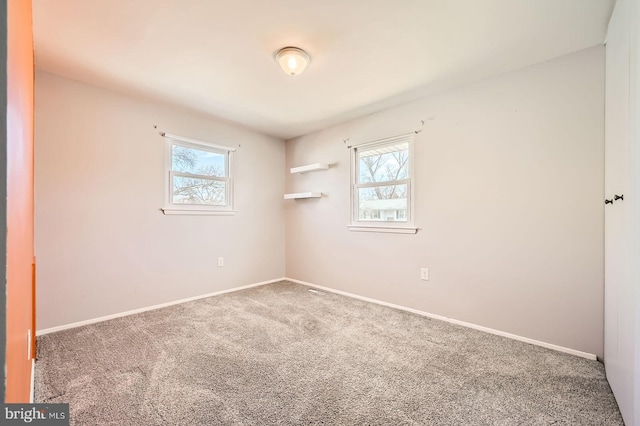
{"x": 279, "y": 354}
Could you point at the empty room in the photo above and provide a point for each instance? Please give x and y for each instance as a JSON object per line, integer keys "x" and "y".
{"x": 338, "y": 212}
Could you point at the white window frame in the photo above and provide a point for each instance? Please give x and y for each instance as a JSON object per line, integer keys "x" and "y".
{"x": 404, "y": 227}
{"x": 197, "y": 209}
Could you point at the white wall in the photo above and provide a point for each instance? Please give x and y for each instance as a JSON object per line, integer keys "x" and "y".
{"x": 102, "y": 244}
{"x": 622, "y": 223}
{"x": 509, "y": 187}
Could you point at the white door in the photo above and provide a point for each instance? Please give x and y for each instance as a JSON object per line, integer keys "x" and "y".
{"x": 619, "y": 350}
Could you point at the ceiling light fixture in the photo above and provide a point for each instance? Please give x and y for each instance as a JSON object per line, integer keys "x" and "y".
{"x": 293, "y": 60}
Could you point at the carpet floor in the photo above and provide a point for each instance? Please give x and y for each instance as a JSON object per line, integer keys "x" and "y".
{"x": 279, "y": 354}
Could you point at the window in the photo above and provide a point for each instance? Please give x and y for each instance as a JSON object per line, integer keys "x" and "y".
{"x": 198, "y": 177}
{"x": 381, "y": 188}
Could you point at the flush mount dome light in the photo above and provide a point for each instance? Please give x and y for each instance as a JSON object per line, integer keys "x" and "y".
{"x": 293, "y": 60}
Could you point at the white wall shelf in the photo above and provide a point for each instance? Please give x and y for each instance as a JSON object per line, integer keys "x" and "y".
{"x": 299, "y": 195}
{"x": 309, "y": 168}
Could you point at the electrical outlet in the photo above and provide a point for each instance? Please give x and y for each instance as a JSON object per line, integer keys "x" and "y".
{"x": 221, "y": 261}
{"x": 424, "y": 274}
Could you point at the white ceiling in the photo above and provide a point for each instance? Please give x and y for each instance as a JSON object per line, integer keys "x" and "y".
{"x": 216, "y": 56}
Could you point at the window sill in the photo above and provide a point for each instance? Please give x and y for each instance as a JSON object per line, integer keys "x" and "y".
{"x": 384, "y": 229}
{"x": 199, "y": 212}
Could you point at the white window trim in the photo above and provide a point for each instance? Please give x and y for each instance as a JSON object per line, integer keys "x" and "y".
{"x": 185, "y": 209}
{"x": 384, "y": 229}
{"x": 404, "y": 227}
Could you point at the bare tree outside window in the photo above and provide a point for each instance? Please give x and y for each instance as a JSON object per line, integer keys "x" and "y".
{"x": 382, "y": 186}
{"x": 199, "y": 176}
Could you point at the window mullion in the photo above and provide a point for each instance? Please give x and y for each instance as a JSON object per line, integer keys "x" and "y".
{"x": 195, "y": 176}
{"x": 385, "y": 183}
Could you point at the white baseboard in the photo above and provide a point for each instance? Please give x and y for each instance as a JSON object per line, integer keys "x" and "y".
{"x": 32, "y": 391}
{"x": 454, "y": 321}
{"x": 149, "y": 308}
{"x": 344, "y": 293}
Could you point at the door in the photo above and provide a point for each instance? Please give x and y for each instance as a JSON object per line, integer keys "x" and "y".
{"x": 19, "y": 245}
{"x": 620, "y": 300}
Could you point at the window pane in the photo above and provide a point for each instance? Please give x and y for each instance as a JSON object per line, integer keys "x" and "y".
{"x": 382, "y": 164}
{"x": 197, "y": 161}
{"x": 199, "y": 191}
{"x": 386, "y": 203}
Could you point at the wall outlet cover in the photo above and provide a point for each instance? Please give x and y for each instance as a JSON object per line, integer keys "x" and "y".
{"x": 424, "y": 274}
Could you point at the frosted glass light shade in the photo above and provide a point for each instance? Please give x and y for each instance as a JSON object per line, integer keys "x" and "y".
{"x": 292, "y": 60}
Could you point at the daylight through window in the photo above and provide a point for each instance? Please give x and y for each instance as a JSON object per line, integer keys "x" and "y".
{"x": 199, "y": 177}
{"x": 381, "y": 187}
